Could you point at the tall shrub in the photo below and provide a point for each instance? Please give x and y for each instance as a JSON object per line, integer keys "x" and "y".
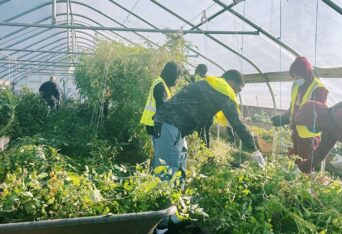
{"x": 31, "y": 113}
{"x": 120, "y": 76}
{"x": 7, "y": 112}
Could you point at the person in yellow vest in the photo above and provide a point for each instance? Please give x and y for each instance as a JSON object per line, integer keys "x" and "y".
{"x": 159, "y": 93}
{"x": 320, "y": 118}
{"x": 190, "y": 109}
{"x": 204, "y": 131}
{"x": 200, "y": 72}
{"x": 305, "y": 87}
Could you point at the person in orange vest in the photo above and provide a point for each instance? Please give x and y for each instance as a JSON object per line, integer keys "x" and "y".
{"x": 305, "y": 87}
{"x": 319, "y": 118}
{"x": 159, "y": 93}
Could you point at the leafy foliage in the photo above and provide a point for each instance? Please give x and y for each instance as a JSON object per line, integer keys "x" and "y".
{"x": 7, "y": 111}
{"x": 263, "y": 117}
{"x": 246, "y": 199}
{"x": 117, "y": 75}
{"x": 31, "y": 113}
{"x": 39, "y": 183}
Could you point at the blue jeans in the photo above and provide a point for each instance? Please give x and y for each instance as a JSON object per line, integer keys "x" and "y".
{"x": 171, "y": 148}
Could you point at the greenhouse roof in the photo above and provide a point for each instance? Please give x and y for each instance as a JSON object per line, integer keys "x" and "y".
{"x": 260, "y": 38}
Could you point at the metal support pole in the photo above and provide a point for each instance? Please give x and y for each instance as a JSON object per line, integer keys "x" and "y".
{"x": 4, "y": 1}
{"x": 333, "y": 5}
{"x": 155, "y": 27}
{"x": 257, "y": 27}
{"x": 45, "y": 51}
{"x": 24, "y": 65}
{"x": 67, "y": 6}
{"x": 225, "y": 46}
{"x": 37, "y": 42}
{"x": 54, "y": 18}
{"x": 148, "y": 30}
{"x": 34, "y": 62}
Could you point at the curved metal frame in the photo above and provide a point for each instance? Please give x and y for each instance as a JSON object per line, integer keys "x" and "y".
{"x": 21, "y": 75}
{"x": 226, "y": 8}
{"x": 153, "y": 26}
{"x": 26, "y": 47}
{"x": 44, "y": 56}
{"x": 78, "y": 31}
{"x": 225, "y": 46}
{"x": 260, "y": 29}
{"x": 74, "y": 2}
{"x": 80, "y": 3}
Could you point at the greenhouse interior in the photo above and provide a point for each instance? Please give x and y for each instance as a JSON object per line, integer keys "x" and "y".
{"x": 169, "y": 116}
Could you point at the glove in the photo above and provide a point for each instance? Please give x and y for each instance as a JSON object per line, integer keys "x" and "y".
{"x": 280, "y": 120}
{"x": 258, "y": 158}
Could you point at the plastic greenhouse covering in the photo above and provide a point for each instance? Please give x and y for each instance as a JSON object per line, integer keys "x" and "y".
{"x": 275, "y": 32}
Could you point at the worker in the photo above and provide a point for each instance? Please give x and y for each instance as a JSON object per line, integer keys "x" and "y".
{"x": 190, "y": 109}
{"x": 49, "y": 91}
{"x": 204, "y": 131}
{"x": 159, "y": 93}
{"x": 200, "y": 72}
{"x": 319, "y": 118}
{"x": 305, "y": 87}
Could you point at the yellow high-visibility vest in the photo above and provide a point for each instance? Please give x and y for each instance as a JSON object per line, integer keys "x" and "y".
{"x": 220, "y": 119}
{"x": 150, "y": 107}
{"x": 222, "y": 86}
{"x": 302, "y": 130}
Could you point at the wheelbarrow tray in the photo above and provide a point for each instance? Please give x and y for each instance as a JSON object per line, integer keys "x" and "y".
{"x": 135, "y": 223}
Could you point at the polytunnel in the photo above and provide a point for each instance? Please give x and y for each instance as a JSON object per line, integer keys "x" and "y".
{"x": 83, "y": 165}
{"x": 259, "y": 39}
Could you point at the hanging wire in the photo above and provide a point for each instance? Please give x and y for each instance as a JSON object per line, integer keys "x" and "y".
{"x": 275, "y": 129}
{"x": 242, "y": 36}
{"x": 240, "y": 62}
{"x": 9, "y": 69}
{"x": 280, "y": 52}
{"x": 205, "y": 37}
{"x": 314, "y": 93}
{"x": 316, "y": 34}
{"x": 135, "y": 4}
{"x": 199, "y": 14}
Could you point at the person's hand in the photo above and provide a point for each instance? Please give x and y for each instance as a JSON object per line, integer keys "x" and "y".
{"x": 280, "y": 120}
{"x": 258, "y": 158}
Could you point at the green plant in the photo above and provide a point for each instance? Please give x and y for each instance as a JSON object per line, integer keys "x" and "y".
{"x": 31, "y": 113}
{"x": 247, "y": 199}
{"x": 7, "y": 112}
{"x": 263, "y": 117}
{"x": 266, "y": 134}
{"x": 39, "y": 183}
{"x": 119, "y": 74}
